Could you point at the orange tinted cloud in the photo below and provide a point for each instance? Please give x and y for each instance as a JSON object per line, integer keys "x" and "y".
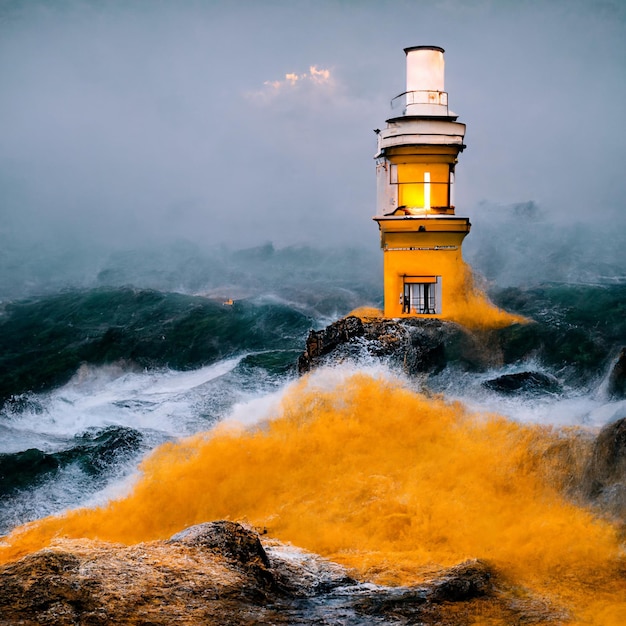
{"x": 315, "y": 76}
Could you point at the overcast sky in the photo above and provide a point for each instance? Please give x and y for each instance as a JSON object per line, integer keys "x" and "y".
{"x": 244, "y": 122}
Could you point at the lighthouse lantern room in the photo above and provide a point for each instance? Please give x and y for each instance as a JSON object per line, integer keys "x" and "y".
{"x": 419, "y": 233}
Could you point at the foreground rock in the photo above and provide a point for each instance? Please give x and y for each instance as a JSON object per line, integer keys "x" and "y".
{"x": 221, "y": 573}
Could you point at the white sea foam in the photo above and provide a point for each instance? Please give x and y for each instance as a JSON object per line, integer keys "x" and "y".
{"x": 255, "y": 410}
{"x": 569, "y": 407}
{"x": 96, "y": 397}
{"x": 262, "y": 407}
{"x": 555, "y": 411}
{"x": 164, "y": 405}
{"x": 160, "y": 405}
{"x": 587, "y": 407}
{"x": 64, "y": 490}
{"x": 606, "y": 413}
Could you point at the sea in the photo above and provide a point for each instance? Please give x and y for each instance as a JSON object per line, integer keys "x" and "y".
{"x": 108, "y": 365}
{"x": 99, "y": 365}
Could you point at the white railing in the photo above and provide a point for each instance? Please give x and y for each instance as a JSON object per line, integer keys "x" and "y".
{"x": 420, "y": 97}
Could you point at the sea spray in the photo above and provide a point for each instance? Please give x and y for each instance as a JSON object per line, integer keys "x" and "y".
{"x": 389, "y": 482}
{"x": 469, "y": 305}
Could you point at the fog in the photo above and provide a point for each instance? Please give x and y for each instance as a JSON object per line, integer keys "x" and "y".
{"x": 127, "y": 124}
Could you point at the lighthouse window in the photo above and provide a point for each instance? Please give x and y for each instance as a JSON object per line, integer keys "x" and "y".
{"x": 422, "y": 295}
{"x": 423, "y": 185}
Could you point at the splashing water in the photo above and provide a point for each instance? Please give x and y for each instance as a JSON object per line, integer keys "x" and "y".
{"x": 470, "y": 305}
{"x": 389, "y": 482}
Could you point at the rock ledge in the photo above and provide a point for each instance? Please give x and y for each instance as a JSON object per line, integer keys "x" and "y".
{"x": 223, "y": 573}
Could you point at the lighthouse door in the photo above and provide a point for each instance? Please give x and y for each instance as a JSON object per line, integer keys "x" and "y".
{"x": 423, "y": 297}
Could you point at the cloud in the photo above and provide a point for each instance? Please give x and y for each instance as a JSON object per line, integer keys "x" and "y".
{"x": 319, "y": 76}
{"x": 314, "y": 78}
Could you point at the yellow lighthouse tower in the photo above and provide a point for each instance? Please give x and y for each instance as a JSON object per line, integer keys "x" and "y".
{"x": 419, "y": 233}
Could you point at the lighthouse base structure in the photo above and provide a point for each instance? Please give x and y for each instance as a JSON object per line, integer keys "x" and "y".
{"x": 423, "y": 264}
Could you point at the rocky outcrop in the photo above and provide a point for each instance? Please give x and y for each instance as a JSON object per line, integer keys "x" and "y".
{"x": 530, "y": 383}
{"x": 232, "y": 542}
{"x": 223, "y": 573}
{"x": 467, "y": 581}
{"x": 421, "y": 345}
{"x": 416, "y": 345}
{"x": 604, "y": 477}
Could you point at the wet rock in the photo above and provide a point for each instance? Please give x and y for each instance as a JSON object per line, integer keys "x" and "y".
{"x": 221, "y": 573}
{"x": 535, "y": 383}
{"x": 230, "y": 541}
{"x": 319, "y": 343}
{"x": 604, "y": 477}
{"x": 43, "y": 588}
{"x": 301, "y": 574}
{"x": 397, "y": 603}
{"x": 185, "y": 581}
{"x": 468, "y": 593}
{"x": 212, "y": 573}
{"x": 416, "y": 345}
{"x": 423, "y": 345}
{"x": 468, "y": 580}
{"x": 617, "y": 378}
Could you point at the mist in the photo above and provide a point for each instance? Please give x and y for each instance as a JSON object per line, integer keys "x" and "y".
{"x": 134, "y": 126}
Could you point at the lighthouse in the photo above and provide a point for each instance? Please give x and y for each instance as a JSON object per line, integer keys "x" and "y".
{"x": 420, "y": 235}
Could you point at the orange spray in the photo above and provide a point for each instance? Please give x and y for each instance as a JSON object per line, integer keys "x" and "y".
{"x": 389, "y": 482}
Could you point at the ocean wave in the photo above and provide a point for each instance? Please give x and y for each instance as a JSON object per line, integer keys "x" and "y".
{"x": 44, "y": 341}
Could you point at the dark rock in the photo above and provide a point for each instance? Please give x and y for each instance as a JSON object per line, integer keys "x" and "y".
{"x": 301, "y": 574}
{"x": 617, "y": 378}
{"x": 321, "y": 342}
{"x": 604, "y": 478}
{"x": 524, "y": 382}
{"x": 211, "y": 574}
{"x": 231, "y": 541}
{"x": 415, "y": 345}
{"x": 468, "y": 580}
{"x": 463, "y": 582}
{"x": 461, "y": 595}
{"x": 423, "y": 344}
{"x": 398, "y": 603}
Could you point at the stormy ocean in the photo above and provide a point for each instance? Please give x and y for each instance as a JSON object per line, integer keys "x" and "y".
{"x": 157, "y": 347}
{"x": 137, "y": 388}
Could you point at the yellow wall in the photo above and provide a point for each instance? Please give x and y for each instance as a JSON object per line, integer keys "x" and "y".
{"x": 426, "y": 247}
{"x": 445, "y": 263}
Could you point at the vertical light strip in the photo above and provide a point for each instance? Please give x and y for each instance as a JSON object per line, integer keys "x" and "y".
{"x": 451, "y": 189}
{"x": 427, "y": 190}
